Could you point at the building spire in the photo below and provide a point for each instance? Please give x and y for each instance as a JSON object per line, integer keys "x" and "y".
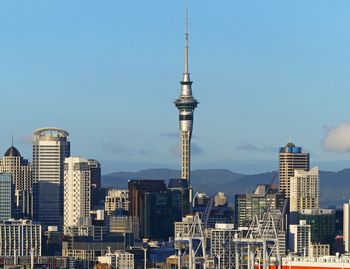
{"x": 186, "y": 44}
{"x": 186, "y": 81}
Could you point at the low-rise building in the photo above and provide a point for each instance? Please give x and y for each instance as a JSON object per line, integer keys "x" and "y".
{"x": 20, "y": 238}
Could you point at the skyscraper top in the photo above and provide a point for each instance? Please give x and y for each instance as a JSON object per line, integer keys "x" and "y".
{"x": 49, "y": 133}
{"x": 12, "y": 152}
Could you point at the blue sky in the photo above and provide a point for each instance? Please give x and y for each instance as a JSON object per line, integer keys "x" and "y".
{"x": 108, "y": 72}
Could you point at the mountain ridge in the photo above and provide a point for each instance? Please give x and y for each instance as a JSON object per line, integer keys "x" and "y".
{"x": 334, "y": 185}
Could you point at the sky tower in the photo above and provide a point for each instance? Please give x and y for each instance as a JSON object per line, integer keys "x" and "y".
{"x": 186, "y": 104}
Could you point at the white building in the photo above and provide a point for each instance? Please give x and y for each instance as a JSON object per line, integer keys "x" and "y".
{"x": 346, "y": 226}
{"x": 221, "y": 245}
{"x": 50, "y": 148}
{"x": 118, "y": 259}
{"x": 116, "y": 199}
{"x": 300, "y": 238}
{"x": 304, "y": 190}
{"x": 19, "y": 238}
{"x": 77, "y": 190}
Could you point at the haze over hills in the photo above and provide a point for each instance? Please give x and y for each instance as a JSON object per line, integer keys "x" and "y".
{"x": 334, "y": 186}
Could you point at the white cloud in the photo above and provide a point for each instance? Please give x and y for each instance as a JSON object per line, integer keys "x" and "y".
{"x": 337, "y": 139}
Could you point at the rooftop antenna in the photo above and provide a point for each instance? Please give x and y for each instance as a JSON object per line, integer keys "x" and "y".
{"x": 186, "y": 43}
{"x": 12, "y": 140}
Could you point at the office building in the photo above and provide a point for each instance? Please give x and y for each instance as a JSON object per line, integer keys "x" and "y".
{"x": 221, "y": 246}
{"x": 116, "y": 199}
{"x": 220, "y": 199}
{"x": 15, "y": 164}
{"x": 50, "y": 148}
{"x": 162, "y": 210}
{"x": 304, "y": 190}
{"x": 291, "y": 157}
{"x": 89, "y": 248}
{"x": 300, "y": 238}
{"x": 19, "y": 238}
{"x": 124, "y": 224}
{"x": 118, "y": 259}
{"x": 7, "y": 196}
{"x": 319, "y": 250}
{"x": 186, "y": 105}
{"x": 137, "y": 190}
{"x": 181, "y": 185}
{"x": 346, "y": 227}
{"x": 95, "y": 171}
{"x": 248, "y": 206}
{"x": 77, "y": 190}
{"x": 322, "y": 222}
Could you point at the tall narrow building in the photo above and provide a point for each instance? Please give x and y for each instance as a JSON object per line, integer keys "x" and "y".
{"x": 50, "y": 148}
{"x": 15, "y": 164}
{"x": 304, "y": 190}
{"x": 186, "y": 104}
{"x": 77, "y": 190}
{"x": 291, "y": 157}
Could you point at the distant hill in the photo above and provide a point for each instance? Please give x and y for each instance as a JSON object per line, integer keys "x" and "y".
{"x": 335, "y": 186}
{"x": 201, "y": 179}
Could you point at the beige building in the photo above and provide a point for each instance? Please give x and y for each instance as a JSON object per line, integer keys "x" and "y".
{"x": 19, "y": 238}
{"x": 116, "y": 199}
{"x": 291, "y": 157}
{"x": 118, "y": 259}
{"x": 124, "y": 224}
{"x": 15, "y": 164}
{"x": 346, "y": 226}
{"x": 77, "y": 190}
{"x": 319, "y": 250}
{"x": 220, "y": 199}
{"x": 304, "y": 190}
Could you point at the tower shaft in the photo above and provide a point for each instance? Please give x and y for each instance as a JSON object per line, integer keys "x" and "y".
{"x": 186, "y": 104}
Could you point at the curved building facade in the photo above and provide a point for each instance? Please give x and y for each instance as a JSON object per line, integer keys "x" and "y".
{"x": 50, "y": 148}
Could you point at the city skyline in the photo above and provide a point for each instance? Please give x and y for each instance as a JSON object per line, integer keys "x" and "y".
{"x": 274, "y": 70}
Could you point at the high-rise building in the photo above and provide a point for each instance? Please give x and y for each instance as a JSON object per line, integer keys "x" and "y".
{"x": 161, "y": 210}
{"x": 95, "y": 171}
{"x": 322, "y": 222}
{"x": 181, "y": 185}
{"x": 264, "y": 198}
{"x": 50, "y": 148}
{"x": 186, "y": 104}
{"x": 291, "y": 157}
{"x": 300, "y": 238}
{"x": 7, "y": 196}
{"x": 15, "y": 164}
{"x": 137, "y": 190}
{"x": 304, "y": 190}
{"x": 19, "y": 238}
{"x": 346, "y": 226}
{"x": 77, "y": 190}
